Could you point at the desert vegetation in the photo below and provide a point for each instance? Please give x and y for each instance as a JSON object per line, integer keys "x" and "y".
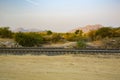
{"x": 32, "y": 39}
{"x": 28, "y": 39}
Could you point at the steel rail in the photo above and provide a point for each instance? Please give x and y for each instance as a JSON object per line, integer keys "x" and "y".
{"x": 55, "y": 51}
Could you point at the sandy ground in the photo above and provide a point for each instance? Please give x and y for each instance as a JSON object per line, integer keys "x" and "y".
{"x": 67, "y": 67}
{"x": 65, "y": 45}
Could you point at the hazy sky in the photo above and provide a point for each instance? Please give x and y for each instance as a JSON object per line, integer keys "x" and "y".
{"x": 59, "y": 15}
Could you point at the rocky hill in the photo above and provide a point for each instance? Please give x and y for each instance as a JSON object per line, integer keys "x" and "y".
{"x": 87, "y": 28}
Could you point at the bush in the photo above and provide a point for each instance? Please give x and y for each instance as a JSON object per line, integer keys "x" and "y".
{"x": 56, "y": 37}
{"x": 104, "y": 32}
{"x": 28, "y": 40}
{"x": 81, "y": 44}
{"x": 5, "y": 32}
{"x": 92, "y": 35}
{"x": 70, "y": 36}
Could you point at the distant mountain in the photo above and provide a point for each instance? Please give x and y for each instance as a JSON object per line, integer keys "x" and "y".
{"x": 87, "y": 28}
{"x": 20, "y": 30}
{"x": 26, "y": 30}
{"x": 34, "y": 30}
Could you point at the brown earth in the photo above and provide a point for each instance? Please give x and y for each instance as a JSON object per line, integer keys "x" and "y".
{"x": 66, "y": 67}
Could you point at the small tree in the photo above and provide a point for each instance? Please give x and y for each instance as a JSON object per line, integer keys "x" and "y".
{"x": 80, "y": 32}
{"x": 49, "y": 32}
{"x": 5, "y": 32}
{"x": 77, "y": 31}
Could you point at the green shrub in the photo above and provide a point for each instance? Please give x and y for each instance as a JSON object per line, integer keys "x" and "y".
{"x": 5, "y": 32}
{"x": 28, "y": 40}
{"x": 81, "y": 44}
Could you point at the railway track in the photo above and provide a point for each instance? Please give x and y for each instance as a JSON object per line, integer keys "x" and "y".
{"x": 54, "y": 51}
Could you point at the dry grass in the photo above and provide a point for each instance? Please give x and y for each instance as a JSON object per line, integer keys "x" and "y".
{"x": 65, "y": 67}
{"x": 6, "y": 39}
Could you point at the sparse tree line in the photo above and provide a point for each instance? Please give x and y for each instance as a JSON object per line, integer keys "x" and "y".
{"x": 105, "y": 32}
{"x": 30, "y": 39}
